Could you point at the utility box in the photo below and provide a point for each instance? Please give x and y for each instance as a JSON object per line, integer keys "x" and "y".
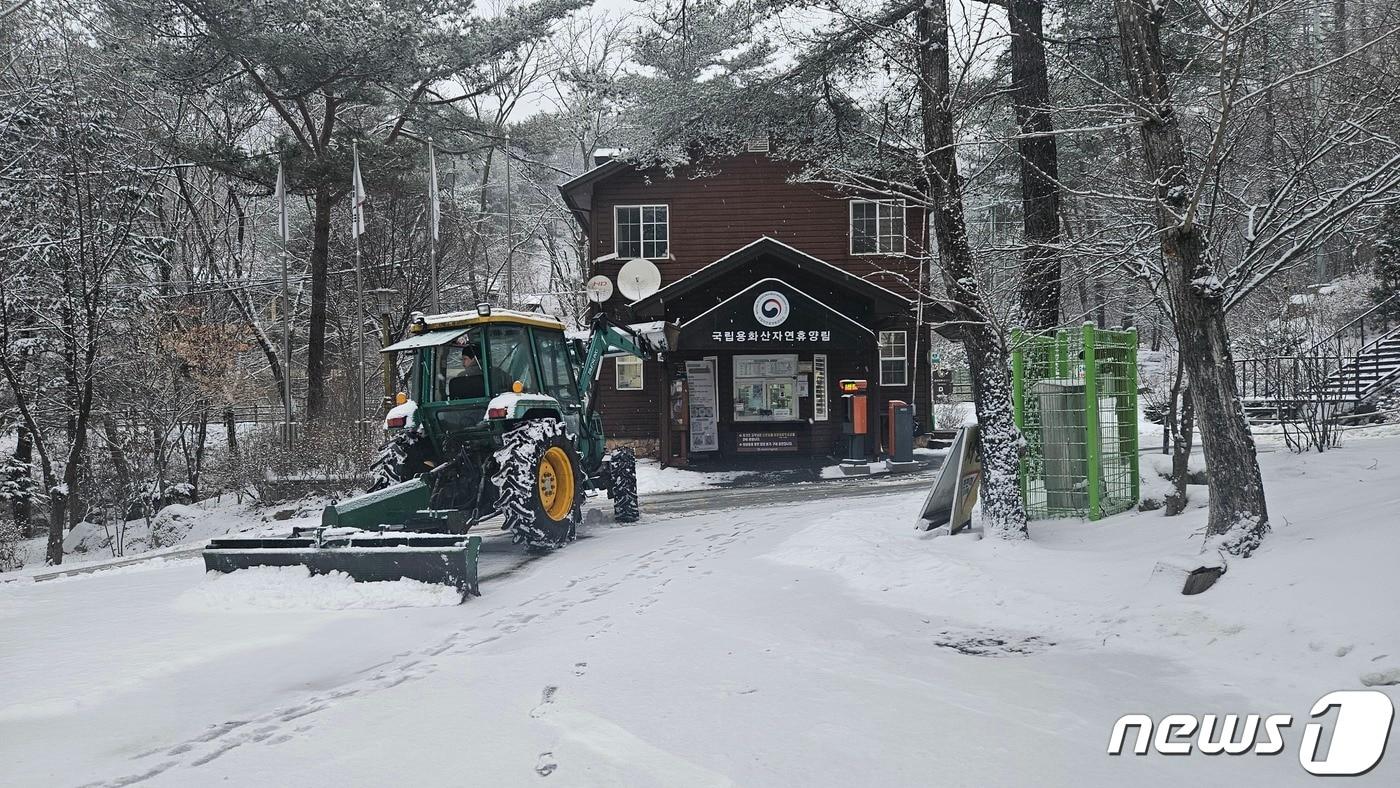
{"x": 853, "y": 426}
{"x": 899, "y": 439}
{"x": 1064, "y": 459}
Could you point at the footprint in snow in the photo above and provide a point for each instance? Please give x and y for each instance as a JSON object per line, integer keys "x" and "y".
{"x": 545, "y": 765}
{"x": 546, "y": 698}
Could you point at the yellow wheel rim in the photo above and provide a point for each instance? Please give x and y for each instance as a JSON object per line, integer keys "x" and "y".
{"x": 556, "y": 483}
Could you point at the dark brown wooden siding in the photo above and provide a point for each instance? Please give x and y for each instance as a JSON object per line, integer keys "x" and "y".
{"x": 745, "y": 199}
{"x": 630, "y": 414}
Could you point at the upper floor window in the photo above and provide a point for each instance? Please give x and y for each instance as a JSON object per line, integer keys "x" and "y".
{"x": 642, "y": 231}
{"x": 877, "y": 227}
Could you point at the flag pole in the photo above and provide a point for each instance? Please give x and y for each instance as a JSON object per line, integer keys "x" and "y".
{"x": 433, "y": 219}
{"x": 510, "y": 232}
{"x": 357, "y": 221}
{"x": 283, "y": 233}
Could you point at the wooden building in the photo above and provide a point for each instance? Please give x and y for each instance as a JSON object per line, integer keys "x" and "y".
{"x": 779, "y": 289}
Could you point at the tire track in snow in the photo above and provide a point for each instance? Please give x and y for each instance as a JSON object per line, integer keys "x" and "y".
{"x": 683, "y": 552}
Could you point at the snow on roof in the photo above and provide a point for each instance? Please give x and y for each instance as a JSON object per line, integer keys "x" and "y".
{"x": 653, "y": 331}
{"x": 768, "y": 239}
{"x": 423, "y": 323}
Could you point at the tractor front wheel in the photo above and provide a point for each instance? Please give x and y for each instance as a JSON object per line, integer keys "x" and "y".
{"x": 622, "y": 488}
{"x": 539, "y": 484}
{"x": 403, "y": 456}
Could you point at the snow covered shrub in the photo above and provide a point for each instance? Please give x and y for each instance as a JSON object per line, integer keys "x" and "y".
{"x": 951, "y": 415}
{"x": 1311, "y": 425}
{"x": 10, "y": 556}
{"x": 156, "y": 495}
{"x": 172, "y": 525}
{"x": 1156, "y": 373}
{"x": 1283, "y": 323}
{"x": 334, "y": 458}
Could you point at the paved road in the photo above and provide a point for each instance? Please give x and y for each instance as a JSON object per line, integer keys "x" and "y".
{"x": 713, "y": 499}
{"x": 500, "y": 557}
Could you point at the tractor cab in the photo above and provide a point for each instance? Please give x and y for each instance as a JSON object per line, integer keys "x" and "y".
{"x": 463, "y": 362}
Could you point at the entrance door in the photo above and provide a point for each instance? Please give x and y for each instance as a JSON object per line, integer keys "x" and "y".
{"x": 675, "y": 422}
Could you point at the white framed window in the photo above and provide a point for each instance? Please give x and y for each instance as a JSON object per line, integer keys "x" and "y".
{"x": 641, "y": 231}
{"x": 820, "y": 397}
{"x": 629, "y": 373}
{"x": 877, "y": 227}
{"x": 894, "y": 358}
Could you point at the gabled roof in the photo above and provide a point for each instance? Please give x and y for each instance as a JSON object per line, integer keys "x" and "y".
{"x": 578, "y": 191}
{"x": 769, "y": 282}
{"x": 767, "y": 246}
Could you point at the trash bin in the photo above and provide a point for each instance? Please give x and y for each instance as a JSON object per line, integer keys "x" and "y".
{"x": 899, "y": 431}
{"x": 1065, "y": 469}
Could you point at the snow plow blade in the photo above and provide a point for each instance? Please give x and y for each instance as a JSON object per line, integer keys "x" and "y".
{"x": 442, "y": 560}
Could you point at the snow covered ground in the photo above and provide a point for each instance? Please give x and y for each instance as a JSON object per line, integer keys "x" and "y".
{"x": 652, "y": 478}
{"x": 819, "y": 643}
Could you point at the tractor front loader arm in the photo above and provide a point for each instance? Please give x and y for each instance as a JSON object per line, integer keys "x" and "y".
{"x": 608, "y": 336}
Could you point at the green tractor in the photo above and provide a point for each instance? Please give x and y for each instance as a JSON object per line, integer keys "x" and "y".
{"x": 499, "y": 419}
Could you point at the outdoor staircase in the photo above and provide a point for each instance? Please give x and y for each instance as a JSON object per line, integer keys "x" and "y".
{"x": 1373, "y": 367}
{"x": 1348, "y": 370}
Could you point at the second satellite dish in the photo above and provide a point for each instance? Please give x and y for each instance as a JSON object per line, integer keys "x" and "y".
{"x": 638, "y": 279}
{"x": 599, "y": 289}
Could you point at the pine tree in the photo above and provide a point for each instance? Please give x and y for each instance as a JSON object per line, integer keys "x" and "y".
{"x": 316, "y": 76}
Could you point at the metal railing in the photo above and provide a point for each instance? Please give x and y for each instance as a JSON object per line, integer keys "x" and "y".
{"x": 1351, "y": 339}
{"x": 1294, "y": 379}
{"x": 1346, "y": 367}
{"x": 1290, "y": 380}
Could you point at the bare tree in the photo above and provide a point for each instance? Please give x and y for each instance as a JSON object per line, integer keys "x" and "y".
{"x": 1002, "y": 508}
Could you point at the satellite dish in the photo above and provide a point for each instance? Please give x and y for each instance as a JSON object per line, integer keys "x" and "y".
{"x": 639, "y": 278}
{"x": 599, "y": 289}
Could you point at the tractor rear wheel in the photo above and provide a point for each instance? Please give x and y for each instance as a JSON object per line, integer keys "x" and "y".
{"x": 622, "y": 488}
{"x": 539, "y": 484}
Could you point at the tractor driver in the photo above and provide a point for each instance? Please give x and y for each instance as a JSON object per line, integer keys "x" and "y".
{"x": 470, "y": 383}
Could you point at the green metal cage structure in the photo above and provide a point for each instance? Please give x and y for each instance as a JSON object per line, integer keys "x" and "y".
{"x": 1075, "y": 396}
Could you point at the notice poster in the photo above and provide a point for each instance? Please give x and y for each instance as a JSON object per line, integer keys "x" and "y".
{"x": 760, "y": 442}
{"x": 704, "y": 406}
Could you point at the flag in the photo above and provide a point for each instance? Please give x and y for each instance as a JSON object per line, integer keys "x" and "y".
{"x": 281, "y": 194}
{"x": 358, "y": 196}
{"x": 434, "y": 209}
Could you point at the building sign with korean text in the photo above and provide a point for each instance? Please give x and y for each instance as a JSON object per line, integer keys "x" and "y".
{"x": 772, "y": 314}
{"x": 741, "y": 337}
